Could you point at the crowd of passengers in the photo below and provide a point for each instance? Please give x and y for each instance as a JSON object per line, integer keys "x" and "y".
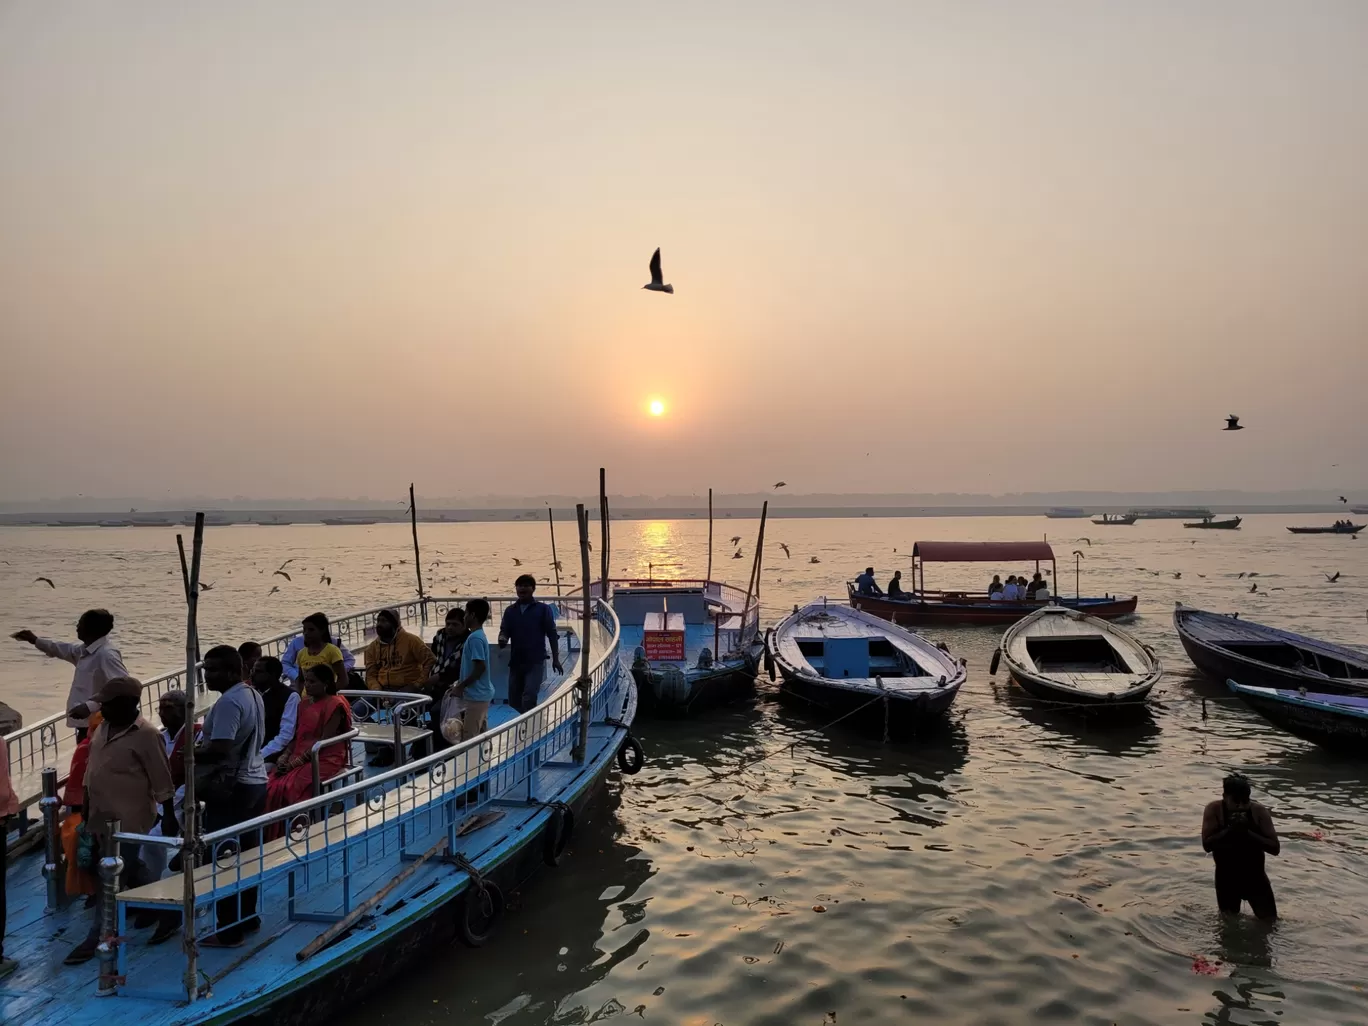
{"x": 253, "y": 748}
{"x": 1016, "y": 589}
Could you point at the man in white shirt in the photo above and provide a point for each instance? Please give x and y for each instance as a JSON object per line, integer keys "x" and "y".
{"x": 1009, "y": 591}
{"x": 96, "y": 659}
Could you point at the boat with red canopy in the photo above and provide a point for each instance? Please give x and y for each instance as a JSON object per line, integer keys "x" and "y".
{"x": 929, "y": 606}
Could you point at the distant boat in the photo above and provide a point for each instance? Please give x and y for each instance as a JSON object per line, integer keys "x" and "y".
{"x": 1066, "y": 513}
{"x": 1172, "y": 513}
{"x": 1343, "y": 527}
{"x": 1336, "y": 722}
{"x": 1061, "y": 655}
{"x": 1360, "y": 510}
{"x": 116, "y": 523}
{"x": 347, "y": 521}
{"x": 1227, "y": 647}
{"x": 843, "y": 662}
{"x": 1217, "y": 525}
{"x": 1115, "y": 519}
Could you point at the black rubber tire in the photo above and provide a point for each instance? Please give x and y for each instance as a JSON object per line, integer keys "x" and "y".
{"x": 993, "y": 666}
{"x": 769, "y": 659}
{"x": 556, "y": 835}
{"x": 476, "y": 921}
{"x": 630, "y": 757}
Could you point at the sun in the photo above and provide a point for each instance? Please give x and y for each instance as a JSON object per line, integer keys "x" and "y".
{"x": 657, "y": 408}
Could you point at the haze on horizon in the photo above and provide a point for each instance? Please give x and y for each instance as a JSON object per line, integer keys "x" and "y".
{"x": 328, "y": 248}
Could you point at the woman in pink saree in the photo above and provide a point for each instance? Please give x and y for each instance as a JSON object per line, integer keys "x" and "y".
{"x": 322, "y": 715}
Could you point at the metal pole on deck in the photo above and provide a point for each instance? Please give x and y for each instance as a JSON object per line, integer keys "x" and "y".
{"x": 555, "y": 561}
{"x": 417, "y": 560}
{"x": 583, "y": 684}
{"x": 708, "y": 576}
{"x": 111, "y": 868}
{"x": 52, "y": 842}
{"x": 189, "y": 810}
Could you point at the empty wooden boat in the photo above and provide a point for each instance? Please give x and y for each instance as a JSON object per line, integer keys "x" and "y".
{"x": 846, "y": 664}
{"x": 1226, "y": 647}
{"x": 1336, "y": 722}
{"x": 1063, "y": 656}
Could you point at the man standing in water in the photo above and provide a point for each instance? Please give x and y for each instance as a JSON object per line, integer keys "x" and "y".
{"x": 96, "y": 659}
{"x": 1238, "y": 832}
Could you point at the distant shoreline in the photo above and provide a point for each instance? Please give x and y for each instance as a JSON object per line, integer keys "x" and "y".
{"x": 114, "y": 520}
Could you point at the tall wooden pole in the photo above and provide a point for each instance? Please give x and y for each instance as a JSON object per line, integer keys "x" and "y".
{"x": 555, "y": 561}
{"x": 417, "y": 559}
{"x": 603, "y": 531}
{"x": 190, "y": 810}
{"x": 708, "y": 576}
{"x": 753, "y": 584}
{"x": 583, "y": 684}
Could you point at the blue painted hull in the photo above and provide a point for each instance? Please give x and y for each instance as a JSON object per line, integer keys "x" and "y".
{"x": 1336, "y": 722}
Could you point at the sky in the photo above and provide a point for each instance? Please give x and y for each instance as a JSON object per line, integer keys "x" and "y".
{"x": 328, "y": 248}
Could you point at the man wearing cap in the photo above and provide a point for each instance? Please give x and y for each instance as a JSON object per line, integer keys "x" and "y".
{"x": 127, "y": 778}
{"x": 95, "y": 658}
{"x": 1238, "y": 833}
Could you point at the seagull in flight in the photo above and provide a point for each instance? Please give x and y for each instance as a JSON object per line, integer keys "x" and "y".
{"x": 1333, "y": 579}
{"x": 787, "y": 554}
{"x": 736, "y": 539}
{"x": 273, "y": 590}
{"x": 205, "y": 587}
{"x": 1233, "y": 423}
{"x": 282, "y": 573}
{"x": 1344, "y": 500}
{"x": 657, "y": 280}
{"x": 780, "y": 485}
{"x": 46, "y": 580}
{"x": 814, "y": 559}
{"x": 516, "y": 561}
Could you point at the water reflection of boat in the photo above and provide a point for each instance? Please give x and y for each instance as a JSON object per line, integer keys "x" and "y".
{"x": 1134, "y": 737}
{"x": 940, "y": 751}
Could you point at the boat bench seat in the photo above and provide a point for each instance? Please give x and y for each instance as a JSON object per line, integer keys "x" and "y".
{"x": 383, "y": 734}
{"x": 281, "y": 857}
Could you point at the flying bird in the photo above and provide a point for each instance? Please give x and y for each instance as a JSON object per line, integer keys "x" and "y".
{"x": 557, "y": 565}
{"x": 1239, "y": 575}
{"x": 123, "y": 558}
{"x": 206, "y": 586}
{"x": 386, "y": 566}
{"x": 282, "y": 573}
{"x": 1233, "y": 423}
{"x": 1178, "y": 575}
{"x": 657, "y": 280}
{"x": 1254, "y": 587}
{"x": 287, "y": 562}
{"x": 327, "y": 581}
{"x": 781, "y": 484}
{"x": 46, "y": 580}
{"x": 736, "y": 539}
{"x": 273, "y": 590}
{"x": 814, "y": 559}
{"x": 1333, "y": 578}
{"x": 1344, "y": 500}
{"x": 787, "y": 554}
{"x": 517, "y": 561}
{"x": 1088, "y": 540}
{"x": 1079, "y": 554}
{"x": 736, "y": 554}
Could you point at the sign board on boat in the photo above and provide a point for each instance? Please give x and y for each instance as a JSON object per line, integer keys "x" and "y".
{"x": 664, "y": 646}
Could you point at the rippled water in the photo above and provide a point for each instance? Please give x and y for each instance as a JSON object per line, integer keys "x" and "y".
{"x": 1022, "y": 867}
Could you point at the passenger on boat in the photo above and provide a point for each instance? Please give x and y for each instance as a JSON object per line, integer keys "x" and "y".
{"x": 282, "y": 706}
{"x": 1037, "y": 582}
{"x": 96, "y": 659}
{"x": 127, "y": 777}
{"x": 397, "y": 660}
{"x": 233, "y": 787}
{"x": 250, "y": 652}
{"x": 1010, "y": 592}
{"x": 995, "y": 586}
{"x": 326, "y": 714}
{"x": 475, "y": 688}
{"x": 528, "y": 627}
{"x": 895, "y": 588}
{"x": 171, "y": 710}
{"x": 319, "y": 621}
{"x": 78, "y": 880}
{"x": 1238, "y": 833}
{"x": 1042, "y": 594}
{"x": 446, "y": 670}
{"x": 865, "y": 583}
{"x": 9, "y": 806}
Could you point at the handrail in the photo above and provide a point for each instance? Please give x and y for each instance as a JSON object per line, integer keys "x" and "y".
{"x": 346, "y": 736}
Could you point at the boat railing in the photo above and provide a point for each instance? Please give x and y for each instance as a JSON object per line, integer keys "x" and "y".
{"x": 727, "y": 602}
{"x": 324, "y": 857}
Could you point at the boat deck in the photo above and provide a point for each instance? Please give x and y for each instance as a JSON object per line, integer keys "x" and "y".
{"x": 1078, "y": 654}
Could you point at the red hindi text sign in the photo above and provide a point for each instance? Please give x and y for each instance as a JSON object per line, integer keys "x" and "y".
{"x": 664, "y": 646}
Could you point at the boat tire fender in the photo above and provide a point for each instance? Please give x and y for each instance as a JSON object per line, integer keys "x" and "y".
{"x": 631, "y": 757}
{"x": 997, "y": 658}
{"x": 478, "y": 912}
{"x": 556, "y": 837}
{"x": 769, "y": 654}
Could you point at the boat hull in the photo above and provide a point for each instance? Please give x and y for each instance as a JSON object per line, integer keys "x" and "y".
{"x": 1223, "y": 664}
{"x": 1328, "y": 530}
{"x": 903, "y": 716}
{"x": 984, "y": 613}
{"x": 1046, "y": 690}
{"x": 704, "y": 690}
{"x": 1338, "y": 731}
{"x": 1217, "y": 525}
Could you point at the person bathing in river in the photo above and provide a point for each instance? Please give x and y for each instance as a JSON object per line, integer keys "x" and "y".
{"x": 865, "y": 583}
{"x": 895, "y": 588}
{"x": 1238, "y": 833}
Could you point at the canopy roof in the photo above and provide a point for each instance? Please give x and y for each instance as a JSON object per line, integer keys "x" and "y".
{"x": 981, "y": 552}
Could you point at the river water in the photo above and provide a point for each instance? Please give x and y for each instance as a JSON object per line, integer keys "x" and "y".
{"x": 1021, "y": 867}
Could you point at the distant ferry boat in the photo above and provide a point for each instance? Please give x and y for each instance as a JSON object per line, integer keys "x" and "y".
{"x": 1175, "y": 513}
{"x": 347, "y": 521}
{"x": 1066, "y": 513}
{"x": 1360, "y": 510}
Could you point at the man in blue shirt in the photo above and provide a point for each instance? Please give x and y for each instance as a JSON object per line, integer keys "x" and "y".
{"x": 474, "y": 687}
{"x": 527, "y": 627}
{"x": 865, "y": 583}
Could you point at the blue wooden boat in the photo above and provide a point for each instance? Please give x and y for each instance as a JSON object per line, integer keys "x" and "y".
{"x": 1227, "y": 647}
{"x": 692, "y": 643}
{"x": 852, "y": 665}
{"x": 354, "y": 883}
{"x": 1336, "y": 722}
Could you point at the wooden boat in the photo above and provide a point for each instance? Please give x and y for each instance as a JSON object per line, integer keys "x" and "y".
{"x": 692, "y": 643}
{"x": 1063, "y": 656}
{"x": 1343, "y": 527}
{"x": 1115, "y": 519}
{"x": 1336, "y": 722}
{"x": 1227, "y": 647}
{"x": 409, "y": 858}
{"x": 923, "y": 607}
{"x": 1066, "y": 513}
{"x": 348, "y": 521}
{"x": 1233, "y": 524}
{"x": 845, "y": 663}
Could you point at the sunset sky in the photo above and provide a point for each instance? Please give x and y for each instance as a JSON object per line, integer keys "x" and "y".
{"x": 328, "y": 248}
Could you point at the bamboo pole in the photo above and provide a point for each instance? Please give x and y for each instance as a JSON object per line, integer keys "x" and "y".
{"x": 190, "y": 811}
{"x": 603, "y": 532}
{"x": 417, "y": 559}
{"x": 185, "y": 580}
{"x": 555, "y": 561}
{"x": 708, "y": 575}
{"x": 753, "y": 584}
{"x": 582, "y": 685}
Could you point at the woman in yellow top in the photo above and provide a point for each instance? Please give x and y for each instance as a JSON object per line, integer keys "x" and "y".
{"x": 318, "y": 650}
